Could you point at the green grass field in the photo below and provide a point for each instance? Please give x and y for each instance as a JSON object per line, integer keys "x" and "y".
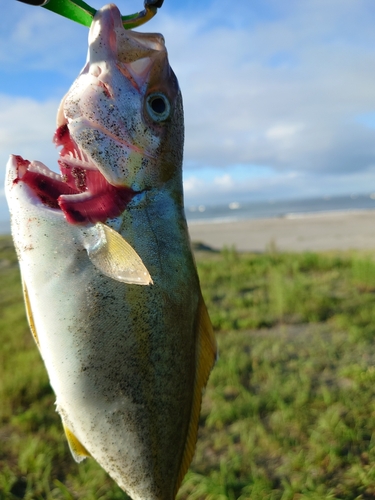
{"x": 289, "y": 411}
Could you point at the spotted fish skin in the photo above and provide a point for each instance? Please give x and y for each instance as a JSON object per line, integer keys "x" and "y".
{"x": 111, "y": 289}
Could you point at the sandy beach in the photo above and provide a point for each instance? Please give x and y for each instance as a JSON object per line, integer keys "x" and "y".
{"x": 322, "y": 231}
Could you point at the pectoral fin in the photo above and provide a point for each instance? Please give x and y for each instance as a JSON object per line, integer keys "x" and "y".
{"x": 206, "y": 357}
{"x": 114, "y": 257}
{"x": 77, "y": 449}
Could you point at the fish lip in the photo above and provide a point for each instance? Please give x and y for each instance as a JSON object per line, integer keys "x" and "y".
{"x": 14, "y": 178}
{"x": 108, "y": 21}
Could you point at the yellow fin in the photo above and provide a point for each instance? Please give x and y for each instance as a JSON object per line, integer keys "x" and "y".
{"x": 206, "y": 357}
{"x": 29, "y": 313}
{"x": 77, "y": 449}
{"x": 114, "y": 257}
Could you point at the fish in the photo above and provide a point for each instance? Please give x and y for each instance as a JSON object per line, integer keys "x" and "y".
{"x": 110, "y": 284}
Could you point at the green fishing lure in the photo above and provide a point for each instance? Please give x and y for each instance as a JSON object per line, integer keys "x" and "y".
{"x": 82, "y": 13}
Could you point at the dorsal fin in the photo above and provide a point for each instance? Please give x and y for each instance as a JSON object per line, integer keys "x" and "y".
{"x": 206, "y": 356}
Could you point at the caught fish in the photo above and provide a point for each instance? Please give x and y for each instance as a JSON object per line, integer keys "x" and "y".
{"x": 110, "y": 284}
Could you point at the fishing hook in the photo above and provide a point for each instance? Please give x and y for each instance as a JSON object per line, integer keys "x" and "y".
{"x": 82, "y": 13}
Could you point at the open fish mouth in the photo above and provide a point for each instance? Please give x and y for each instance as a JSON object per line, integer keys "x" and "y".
{"x": 80, "y": 191}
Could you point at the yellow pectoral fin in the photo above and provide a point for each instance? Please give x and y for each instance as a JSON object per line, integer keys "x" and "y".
{"x": 114, "y": 257}
{"x": 77, "y": 449}
{"x": 29, "y": 313}
{"x": 206, "y": 357}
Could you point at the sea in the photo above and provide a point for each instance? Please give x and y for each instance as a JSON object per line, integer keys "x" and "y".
{"x": 237, "y": 210}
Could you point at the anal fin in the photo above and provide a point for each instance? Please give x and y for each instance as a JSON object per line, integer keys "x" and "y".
{"x": 77, "y": 449}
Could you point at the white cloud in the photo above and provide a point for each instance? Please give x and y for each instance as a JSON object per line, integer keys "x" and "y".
{"x": 284, "y": 92}
{"x": 27, "y": 128}
{"x": 284, "y": 132}
{"x": 193, "y": 184}
{"x": 225, "y": 182}
{"x": 295, "y": 185}
{"x": 36, "y": 39}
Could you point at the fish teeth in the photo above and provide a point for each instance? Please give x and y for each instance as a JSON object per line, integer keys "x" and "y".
{"x": 78, "y": 154}
{"x": 85, "y": 157}
{"x": 78, "y": 158}
{"x": 82, "y": 155}
{"x": 40, "y": 168}
{"x": 76, "y": 197}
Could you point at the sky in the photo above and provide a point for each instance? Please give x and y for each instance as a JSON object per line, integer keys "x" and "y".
{"x": 279, "y": 96}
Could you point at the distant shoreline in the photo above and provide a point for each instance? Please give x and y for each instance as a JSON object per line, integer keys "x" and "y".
{"x": 336, "y": 230}
{"x": 291, "y": 215}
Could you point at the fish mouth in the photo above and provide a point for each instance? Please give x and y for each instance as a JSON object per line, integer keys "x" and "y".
{"x": 105, "y": 150}
{"x": 80, "y": 191}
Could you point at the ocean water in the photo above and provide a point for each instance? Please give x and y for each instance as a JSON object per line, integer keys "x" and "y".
{"x": 266, "y": 209}
{"x": 285, "y": 208}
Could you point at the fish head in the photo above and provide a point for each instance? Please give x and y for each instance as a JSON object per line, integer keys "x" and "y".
{"x": 124, "y": 106}
{"x": 120, "y": 127}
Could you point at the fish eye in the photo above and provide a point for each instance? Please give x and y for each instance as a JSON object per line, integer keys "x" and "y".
{"x": 158, "y": 106}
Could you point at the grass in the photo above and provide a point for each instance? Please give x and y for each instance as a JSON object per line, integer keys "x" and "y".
{"x": 289, "y": 411}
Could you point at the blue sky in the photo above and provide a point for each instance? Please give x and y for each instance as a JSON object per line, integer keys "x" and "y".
{"x": 279, "y": 96}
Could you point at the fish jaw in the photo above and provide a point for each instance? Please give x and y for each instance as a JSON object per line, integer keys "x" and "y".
{"x": 22, "y": 197}
{"x": 83, "y": 196}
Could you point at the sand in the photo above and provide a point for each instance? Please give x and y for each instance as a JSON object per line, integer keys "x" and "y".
{"x": 324, "y": 231}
